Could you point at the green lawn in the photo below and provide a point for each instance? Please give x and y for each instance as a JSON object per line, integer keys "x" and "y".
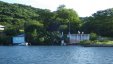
{"x": 105, "y": 42}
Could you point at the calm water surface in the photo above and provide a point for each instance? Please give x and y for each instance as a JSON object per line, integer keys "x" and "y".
{"x": 55, "y": 55}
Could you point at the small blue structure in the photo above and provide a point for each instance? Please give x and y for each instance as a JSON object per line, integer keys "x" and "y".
{"x": 19, "y": 39}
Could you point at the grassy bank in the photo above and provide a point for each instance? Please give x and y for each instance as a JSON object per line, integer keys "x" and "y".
{"x": 97, "y": 43}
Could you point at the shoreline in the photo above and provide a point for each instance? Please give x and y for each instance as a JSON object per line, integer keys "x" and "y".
{"x": 89, "y": 45}
{"x": 97, "y": 45}
{"x": 77, "y": 44}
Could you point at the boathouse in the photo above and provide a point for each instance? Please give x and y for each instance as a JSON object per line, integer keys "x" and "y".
{"x": 19, "y": 39}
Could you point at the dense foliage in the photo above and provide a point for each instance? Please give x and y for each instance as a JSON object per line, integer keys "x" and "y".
{"x": 40, "y": 26}
{"x": 100, "y": 22}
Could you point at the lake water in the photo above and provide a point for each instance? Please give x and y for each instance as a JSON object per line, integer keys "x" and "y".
{"x": 55, "y": 55}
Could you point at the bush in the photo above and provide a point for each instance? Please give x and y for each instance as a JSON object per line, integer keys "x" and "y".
{"x": 85, "y": 42}
{"x": 5, "y": 40}
{"x": 93, "y": 36}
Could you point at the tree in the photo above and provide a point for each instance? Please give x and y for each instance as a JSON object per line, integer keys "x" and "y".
{"x": 64, "y": 16}
{"x": 33, "y": 30}
{"x": 101, "y": 23}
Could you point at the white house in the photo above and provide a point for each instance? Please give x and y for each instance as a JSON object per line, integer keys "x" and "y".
{"x": 2, "y": 27}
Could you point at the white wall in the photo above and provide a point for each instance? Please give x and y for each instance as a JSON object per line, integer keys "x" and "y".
{"x": 76, "y": 38}
{"x": 1, "y": 28}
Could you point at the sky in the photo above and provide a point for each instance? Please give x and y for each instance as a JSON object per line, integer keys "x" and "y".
{"x": 82, "y": 7}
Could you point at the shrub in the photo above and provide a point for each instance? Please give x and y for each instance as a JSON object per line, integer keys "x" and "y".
{"x": 85, "y": 42}
{"x": 5, "y": 40}
{"x": 93, "y": 36}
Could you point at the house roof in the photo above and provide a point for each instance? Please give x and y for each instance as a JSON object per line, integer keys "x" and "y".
{"x": 21, "y": 35}
{"x": 1, "y": 26}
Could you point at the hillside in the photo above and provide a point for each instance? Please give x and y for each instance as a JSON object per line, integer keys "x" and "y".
{"x": 14, "y": 13}
{"x": 39, "y": 25}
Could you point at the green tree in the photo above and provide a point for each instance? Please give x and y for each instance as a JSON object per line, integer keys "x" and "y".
{"x": 64, "y": 16}
{"x": 100, "y": 22}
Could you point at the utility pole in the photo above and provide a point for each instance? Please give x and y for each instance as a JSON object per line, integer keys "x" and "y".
{"x": 69, "y": 28}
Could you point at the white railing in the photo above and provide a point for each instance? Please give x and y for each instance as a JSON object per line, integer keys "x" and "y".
{"x": 75, "y": 38}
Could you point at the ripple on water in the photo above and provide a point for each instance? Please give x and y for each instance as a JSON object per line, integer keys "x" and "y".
{"x": 55, "y": 55}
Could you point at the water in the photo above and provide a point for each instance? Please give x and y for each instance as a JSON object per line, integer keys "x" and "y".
{"x": 55, "y": 55}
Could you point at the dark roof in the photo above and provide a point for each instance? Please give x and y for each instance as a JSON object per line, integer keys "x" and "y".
{"x": 21, "y": 35}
